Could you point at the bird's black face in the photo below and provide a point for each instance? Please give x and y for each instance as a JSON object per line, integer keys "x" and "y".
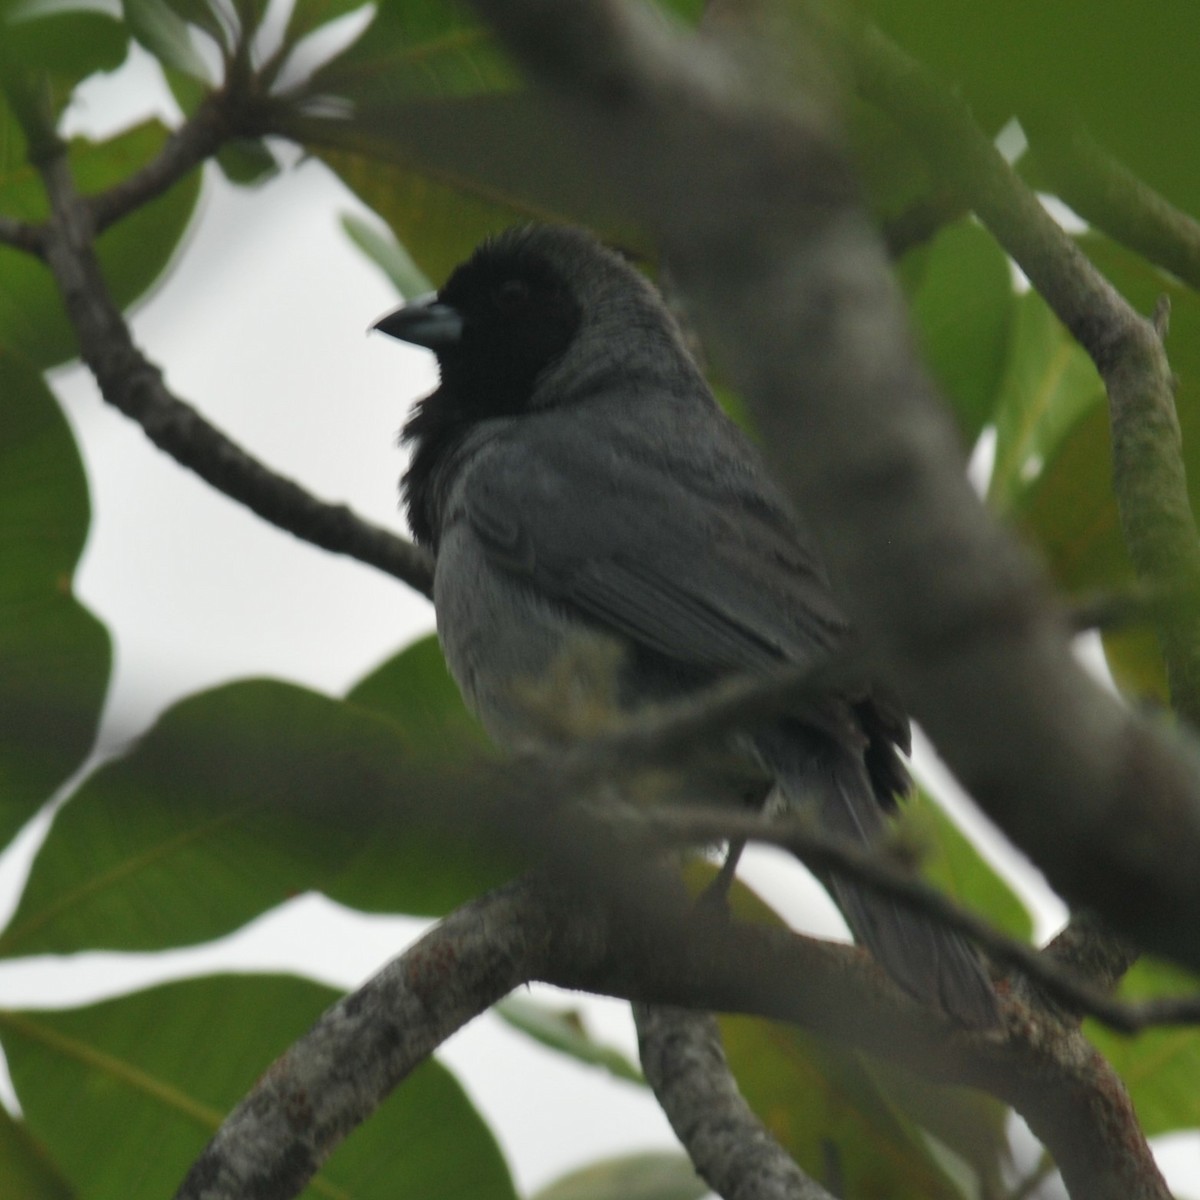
{"x": 502, "y": 318}
{"x": 518, "y": 317}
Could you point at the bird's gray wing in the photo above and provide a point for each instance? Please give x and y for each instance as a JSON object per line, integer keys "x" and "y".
{"x": 700, "y": 565}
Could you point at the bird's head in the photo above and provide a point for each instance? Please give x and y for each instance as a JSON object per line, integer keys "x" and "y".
{"x": 531, "y": 319}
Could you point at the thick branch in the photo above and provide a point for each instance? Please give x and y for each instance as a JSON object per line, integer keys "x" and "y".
{"x": 1149, "y": 478}
{"x": 729, "y": 1146}
{"x": 758, "y": 215}
{"x": 339, "y": 1073}
{"x": 130, "y": 383}
{"x": 668, "y": 952}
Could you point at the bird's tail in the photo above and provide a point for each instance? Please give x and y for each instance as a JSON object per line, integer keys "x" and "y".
{"x": 932, "y": 963}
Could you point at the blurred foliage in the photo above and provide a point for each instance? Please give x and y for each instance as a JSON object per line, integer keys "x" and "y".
{"x": 247, "y": 794}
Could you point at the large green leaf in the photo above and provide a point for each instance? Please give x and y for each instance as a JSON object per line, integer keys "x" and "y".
{"x": 133, "y": 252}
{"x": 415, "y": 689}
{"x": 54, "y": 655}
{"x": 446, "y": 173}
{"x": 236, "y": 800}
{"x": 1119, "y": 66}
{"x": 126, "y": 1094}
{"x": 57, "y": 43}
{"x": 1160, "y": 1066}
{"x": 962, "y": 301}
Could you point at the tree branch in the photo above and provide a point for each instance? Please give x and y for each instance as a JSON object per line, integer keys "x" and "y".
{"x": 339, "y": 1073}
{"x": 132, "y": 384}
{"x": 215, "y": 121}
{"x": 729, "y": 1146}
{"x": 665, "y": 952}
{"x": 756, "y": 209}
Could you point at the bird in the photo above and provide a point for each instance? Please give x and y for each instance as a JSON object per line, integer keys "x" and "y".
{"x": 574, "y": 477}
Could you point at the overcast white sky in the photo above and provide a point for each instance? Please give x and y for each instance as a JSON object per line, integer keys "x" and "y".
{"x": 262, "y": 327}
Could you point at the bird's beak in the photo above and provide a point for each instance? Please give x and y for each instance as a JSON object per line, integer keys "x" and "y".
{"x": 426, "y": 321}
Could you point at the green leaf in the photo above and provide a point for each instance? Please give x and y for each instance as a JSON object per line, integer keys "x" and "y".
{"x": 238, "y": 799}
{"x": 127, "y": 1093}
{"x": 54, "y": 655}
{"x": 649, "y": 1176}
{"x": 163, "y": 32}
{"x": 65, "y": 44}
{"x": 416, "y": 690}
{"x": 950, "y": 862}
{"x": 134, "y": 252}
{"x": 1026, "y": 56}
{"x": 963, "y": 304}
{"x": 1160, "y": 1066}
{"x": 818, "y": 1101}
{"x": 563, "y": 1030}
{"x": 445, "y": 173}
{"x": 389, "y": 256}
{"x": 1049, "y": 386}
{"x": 27, "y": 1171}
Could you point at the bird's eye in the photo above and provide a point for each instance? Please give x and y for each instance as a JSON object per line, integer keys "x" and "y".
{"x": 511, "y": 296}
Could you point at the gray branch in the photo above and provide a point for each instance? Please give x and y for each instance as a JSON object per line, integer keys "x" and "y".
{"x": 667, "y": 952}
{"x": 339, "y": 1073}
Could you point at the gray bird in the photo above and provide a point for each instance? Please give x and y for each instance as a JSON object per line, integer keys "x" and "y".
{"x": 573, "y": 474}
